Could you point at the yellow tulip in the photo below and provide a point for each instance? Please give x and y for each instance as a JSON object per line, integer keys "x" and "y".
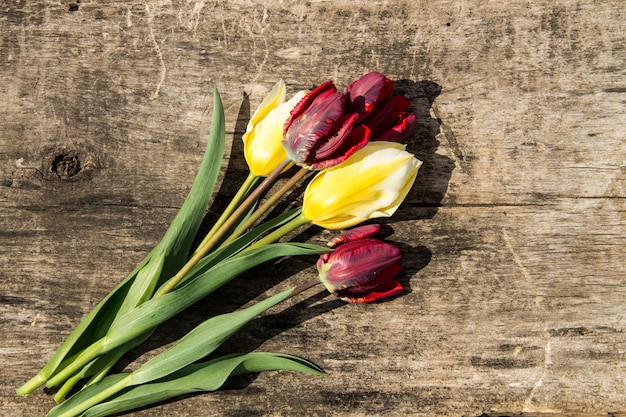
{"x": 263, "y": 149}
{"x": 369, "y": 184}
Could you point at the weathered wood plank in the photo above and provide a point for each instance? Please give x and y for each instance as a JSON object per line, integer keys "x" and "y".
{"x": 513, "y": 236}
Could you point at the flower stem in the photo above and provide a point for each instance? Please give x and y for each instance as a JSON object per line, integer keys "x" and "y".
{"x": 32, "y": 384}
{"x": 203, "y": 250}
{"x": 267, "y": 205}
{"x": 305, "y": 286}
{"x": 245, "y": 187}
{"x": 280, "y": 232}
{"x": 67, "y": 386}
{"x": 83, "y": 358}
{"x": 97, "y": 398}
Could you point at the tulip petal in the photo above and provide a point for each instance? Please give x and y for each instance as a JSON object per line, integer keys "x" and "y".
{"x": 322, "y": 90}
{"x": 366, "y": 92}
{"x": 359, "y": 266}
{"x": 387, "y": 114}
{"x": 376, "y": 280}
{"x": 328, "y": 146}
{"x": 400, "y": 131}
{"x": 357, "y": 233}
{"x": 275, "y": 97}
{"x": 263, "y": 148}
{"x": 379, "y": 177}
{"x": 339, "y": 148}
{"x": 389, "y": 289}
{"x": 306, "y": 129}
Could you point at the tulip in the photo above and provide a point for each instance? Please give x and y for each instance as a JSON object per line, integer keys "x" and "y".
{"x": 319, "y": 134}
{"x": 361, "y": 271}
{"x": 369, "y": 184}
{"x": 262, "y": 141}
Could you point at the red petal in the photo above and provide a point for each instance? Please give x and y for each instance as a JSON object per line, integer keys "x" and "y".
{"x": 366, "y": 271}
{"x": 330, "y": 145}
{"x": 389, "y": 289}
{"x": 366, "y": 92}
{"x": 401, "y": 131}
{"x": 356, "y": 139}
{"x": 387, "y": 114}
{"x": 315, "y": 124}
{"x": 323, "y": 89}
{"x": 357, "y": 233}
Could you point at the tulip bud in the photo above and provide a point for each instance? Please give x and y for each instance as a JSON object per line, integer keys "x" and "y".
{"x": 262, "y": 141}
{"x": 369, "y": 184}
{"x": 318, "y": 134}
{"x": 361, "y": 271}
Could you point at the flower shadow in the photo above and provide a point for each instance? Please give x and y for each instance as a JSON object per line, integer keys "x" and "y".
{"x": 431, "y": 185}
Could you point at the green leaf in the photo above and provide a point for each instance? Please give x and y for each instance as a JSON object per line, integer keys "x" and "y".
{"x": 157, "y": 310}
{"x": 65, "y": 408}
{"x": 202, "y": 340}
{"x": 175, "y": 244}
{"x": 181, "y": 233}
{"x": 201, "y": 377}
{"x": 143, "y": 285}
{"x": 198, "y": 343}
{"x": 93, "y": 327}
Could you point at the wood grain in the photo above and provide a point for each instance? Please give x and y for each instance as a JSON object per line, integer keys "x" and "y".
{"x": 513, "y": 237}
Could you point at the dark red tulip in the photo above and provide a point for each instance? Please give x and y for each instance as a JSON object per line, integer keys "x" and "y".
{"x": 318, "y": 134}
{"x": 361, "y": 271}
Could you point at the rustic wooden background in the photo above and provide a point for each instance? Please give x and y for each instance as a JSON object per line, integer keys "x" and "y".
{"x": 513, "y": 235}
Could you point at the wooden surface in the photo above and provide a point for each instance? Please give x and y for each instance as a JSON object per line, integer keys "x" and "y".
{"x": 513, "y": 235}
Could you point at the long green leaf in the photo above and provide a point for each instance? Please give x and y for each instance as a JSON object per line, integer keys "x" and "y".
{"x": 201, "y": 377}
{"x": 91, "y": 328}
{"x": 202, "y": 340}
{"x": 179, "y": 237}
{"x": 86, "y": 393}
{"x": 143, "y": 285}
{"x": 175, "y": 244}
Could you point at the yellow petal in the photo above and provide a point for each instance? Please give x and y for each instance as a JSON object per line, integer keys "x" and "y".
{"x": 263, "y": 148}
{"x": 371, "y": 183}
{"x": 274, "y": 98}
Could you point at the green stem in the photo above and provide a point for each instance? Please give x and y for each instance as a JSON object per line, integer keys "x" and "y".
{"x": 97, "y": 398}
{"x": 67, "y": 386}
{"x": 280, "y": 232}
{"x": 245, "y": 187}
{"x": 96, "y": 377}
{"x": 269, "y": 203}
{"x": 87, "y": 355}
{"x": 203, "y": 250}
{"x": 32, "y": 384}
{"x": 43, "y": 376}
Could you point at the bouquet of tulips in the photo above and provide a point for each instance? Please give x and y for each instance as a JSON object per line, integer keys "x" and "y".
{"x": 350, "y": 140}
